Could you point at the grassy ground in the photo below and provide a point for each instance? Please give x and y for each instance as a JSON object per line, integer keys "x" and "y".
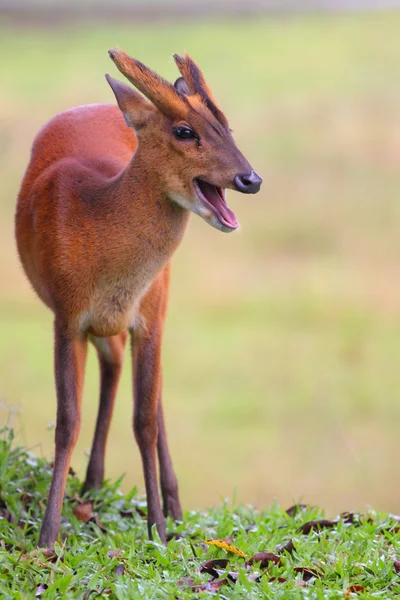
{"x": 109, "y": 556}
{"x": 282, "y": 343}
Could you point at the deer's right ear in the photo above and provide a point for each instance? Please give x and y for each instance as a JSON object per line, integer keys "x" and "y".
{"x": 134, "y": 107}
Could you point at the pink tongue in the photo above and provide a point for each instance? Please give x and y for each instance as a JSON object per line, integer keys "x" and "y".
{"x": 211, "y": 193}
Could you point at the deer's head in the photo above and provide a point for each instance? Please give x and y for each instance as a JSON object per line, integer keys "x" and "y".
{"x": 188, "y": 137}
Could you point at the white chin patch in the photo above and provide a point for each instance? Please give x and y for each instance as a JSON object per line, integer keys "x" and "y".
{"x": 198, "y": 208}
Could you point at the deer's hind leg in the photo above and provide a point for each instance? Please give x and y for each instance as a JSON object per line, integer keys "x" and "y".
{"x": 110, "y": 352}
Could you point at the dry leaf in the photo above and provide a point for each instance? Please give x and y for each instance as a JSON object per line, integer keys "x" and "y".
{"x": 296, "y": 508}
{"x": 99, "y": 525}
{"x": 287, "y": 547}
{"x": 396, "y": 565}
{"x": 307, "y": 573}
{"x": 318, "y": 525}
{"x": 186, "y": 581}
{"x": 120, "y": 569}
{"x": 351, "y": 517}
{"x": 126, "y": 513}
{"x": 84, "y": 511}
{"x": 395, "y": 517}
{"x": 211, "y": 586}
{"x": 353, "y": 589}
{"x": 49, "y": 554}
{"x": 225, "y": 546}
{"x": 41, "y": 590}
{"x": 264, "y": 558}
{"x": 173, "y": 536}
{"x": 211, "y": 566}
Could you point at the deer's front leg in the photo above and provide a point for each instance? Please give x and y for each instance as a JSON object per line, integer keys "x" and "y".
{"x": 147, "y": 368}
{"x": 169, "y": 483}
{"x": 70, "y": 358}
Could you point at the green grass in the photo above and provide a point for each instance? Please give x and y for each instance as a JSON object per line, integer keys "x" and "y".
{"x": 119, "y": 562}
{"x": 282, "y": 341}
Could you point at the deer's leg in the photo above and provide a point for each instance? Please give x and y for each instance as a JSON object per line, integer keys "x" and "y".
{"x": 110, "y": 351}
{"x": 147, "y": 368}
{"x": 70, "y": 358}
{"x": 169, "y": 483}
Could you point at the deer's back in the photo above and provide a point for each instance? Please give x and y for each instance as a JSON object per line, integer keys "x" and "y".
{"x": 81, "y": 148}
{"x": 88, "y": 134}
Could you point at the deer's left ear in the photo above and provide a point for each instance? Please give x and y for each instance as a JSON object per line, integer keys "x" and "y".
{"x": 134, "y": 107}
{"x": 182, "y": 87}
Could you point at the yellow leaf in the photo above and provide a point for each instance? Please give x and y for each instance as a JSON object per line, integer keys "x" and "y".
{"x": 226, "y": 547}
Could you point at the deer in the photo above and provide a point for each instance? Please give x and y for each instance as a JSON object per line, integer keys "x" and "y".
{"x": 103, "y": 205}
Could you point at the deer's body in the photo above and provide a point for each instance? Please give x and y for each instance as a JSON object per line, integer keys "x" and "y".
{"x": 101, "y": 210}
{"x": 100, "y": 235}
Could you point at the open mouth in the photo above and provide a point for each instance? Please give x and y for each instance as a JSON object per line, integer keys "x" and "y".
{"x": 213, "y": 197}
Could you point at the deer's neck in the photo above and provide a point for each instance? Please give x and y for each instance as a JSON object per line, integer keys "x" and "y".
{"x": 150, "y": 225}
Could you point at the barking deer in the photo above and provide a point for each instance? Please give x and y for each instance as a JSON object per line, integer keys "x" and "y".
{"x": 103, "y": 206}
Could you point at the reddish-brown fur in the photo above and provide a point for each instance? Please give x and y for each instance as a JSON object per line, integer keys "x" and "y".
{"x": 100, "y": 212}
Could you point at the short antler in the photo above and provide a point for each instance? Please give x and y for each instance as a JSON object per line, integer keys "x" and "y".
{"x": 158, "y": 90}
{"x": 197, "y": 85}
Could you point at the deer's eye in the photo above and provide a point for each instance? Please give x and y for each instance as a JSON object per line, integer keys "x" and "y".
{"x": 185, "y": 133}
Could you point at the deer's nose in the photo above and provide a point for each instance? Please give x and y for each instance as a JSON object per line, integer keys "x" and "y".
{"x": 249, "y": 183}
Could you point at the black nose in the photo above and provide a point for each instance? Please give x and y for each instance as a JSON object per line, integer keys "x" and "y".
{"x": 248, "y": 184}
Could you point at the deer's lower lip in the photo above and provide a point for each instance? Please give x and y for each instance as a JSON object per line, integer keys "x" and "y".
{"x": 213, "y": 197}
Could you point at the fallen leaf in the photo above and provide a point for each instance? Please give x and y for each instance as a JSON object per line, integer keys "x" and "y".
{"x": 173, "y": 536}
{"x": 393, "y": 529}
{"x": 395, "y": 517}
{"x": 353, "y": 589}
{"x": 129, "y": 513}
{"x": 296, "y": 508}
{"x": 126, "y": 513}
{"x": 279, "y": 579}
{"x": 186, "y": 581}
{"x": 318, "y": 525}
{"x": 37, "y": 554}
{"x": 264, "y": 558}
{"x": 49, "y": 554}
{"x": 25, "y": 497}
{"x": 41, "y": 590}
{"x": 307, "y": 573}
{"x": 84, "y": 511}
{"x": 225, "y": 546}
{"x": 211, "y": 566}
{"x": 113, "y": 553}
{"x": 210, "y": 586}
{"x": 5, "y": 513}
{"x": 96, "y": 521}
{"x": 351, "y": 517}
{"x": 120, "y": 569}
{"x": 287, "y": 547}
{"x": 254, "y": 577}
{"x": 396, "y": 565}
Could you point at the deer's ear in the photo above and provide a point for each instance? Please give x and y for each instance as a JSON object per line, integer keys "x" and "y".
{"x": 134, "y": 107}
{"x": 196, "y": 83}
{"x": 182, "y": 87}
{"x": 156, "y": 89}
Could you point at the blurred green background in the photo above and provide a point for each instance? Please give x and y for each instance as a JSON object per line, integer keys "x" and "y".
{"x": 281, "y": 355}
